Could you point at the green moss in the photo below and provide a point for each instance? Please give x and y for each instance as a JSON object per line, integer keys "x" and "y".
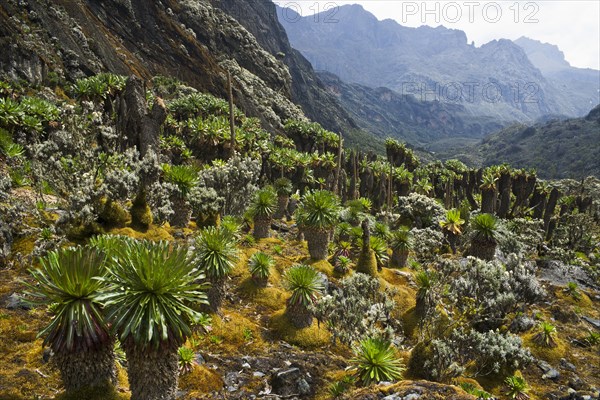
{"x": 80, "y": 233}
{"x": 25, "y": 335}
{"x": 49, "y": 217}
{"x": 272, "y": 298}
{"x": 330, "y": 377}
{"x": 460, "y": 380}
{"x": 322, "y": 266}
{"x": 367, "y": 263}
{"x": 282, "y": 264}
{"x": 200, "y": 381}
{"x": 393, "y": 278}
{"x": 266, "y": 245}
{"x": 240, "y": 270}
{"x": 24, "y": 245}
{"x": 582, "y": 302}
{"x": 410, "y": 321}
{"x": 202, "y": 221}
{"x": 549, "y": 354}
{"x": 141, "y": 215}
{"x": 122, "y": 380}
{"x": 154, "y": 233}
{"x": 494, "y": 384}
{"x": 236, "y": 332}
{"x": 113, "y": 214}
{"x": 405, "y": 298}
{"x": 20, "y": 361}
{"x": 414, "y": 367}
{"x": 312, "y": 337}
{"x": 582, "y": 256}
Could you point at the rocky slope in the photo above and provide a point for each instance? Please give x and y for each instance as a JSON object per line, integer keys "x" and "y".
{"x": 260, "y": 19}
{"x": 496, "y": 79}
{"x": 193, "y": 41}
{"x": 580, "y": 85}
{"x": 385, "y": 112}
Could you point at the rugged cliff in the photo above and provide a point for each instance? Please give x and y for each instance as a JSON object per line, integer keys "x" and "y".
{"x": 260, "y": 18}
{"x": 580, "y": 85}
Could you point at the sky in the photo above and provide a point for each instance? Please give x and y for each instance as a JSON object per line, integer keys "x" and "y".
{"x": 574, "y": 26}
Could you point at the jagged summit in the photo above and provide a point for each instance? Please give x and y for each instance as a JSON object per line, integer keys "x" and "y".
{"x": 396, "y": 56}
{"x": 547, "y": 57}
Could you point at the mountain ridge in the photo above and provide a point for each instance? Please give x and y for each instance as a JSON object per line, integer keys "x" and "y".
{"x": 395, "y": 56}
{"x": 388, "y": 113}
{"x": 581, "y": 85}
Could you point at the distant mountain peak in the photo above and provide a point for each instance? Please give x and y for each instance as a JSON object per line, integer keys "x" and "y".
{"x": 350, "y": 12}
{"x": 594, "y": 114}
{"x": 547, "y": 57}
{"x": 357, "y": 7}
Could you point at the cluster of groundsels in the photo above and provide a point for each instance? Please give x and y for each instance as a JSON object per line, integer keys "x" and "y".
{"x": 111, "y": 155}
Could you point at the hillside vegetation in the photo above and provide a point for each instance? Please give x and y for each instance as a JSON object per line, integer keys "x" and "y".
{"x": 566, "y": 148}
{"x": 146, "y": 252}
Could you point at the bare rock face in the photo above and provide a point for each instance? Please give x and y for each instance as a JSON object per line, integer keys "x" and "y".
{"x": 222, "y": 33}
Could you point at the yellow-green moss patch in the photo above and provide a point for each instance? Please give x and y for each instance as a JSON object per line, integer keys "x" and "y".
{"x": 367, "y": 263}
{"x": 234, "y": 331}
{"x": 122, "y": 380}
{"x": 405, "y": 297}
{"x": 154, "y": 233}
{"x": 266, "y": 245}
{"x": 549, "y": 354}
{"x": 322, "y": 266}
{"x": 330, "y": 377}
{"x": 392, "y": 277}
{"x": 98, "y": 393}
{"x": 113, "y": 214}
{"x": 240, "y": 270}
{"x": 200, "y": 381}
{"x": 272, "y": 298}
{"x": 141, "y": 215}
{"x": 410, "y": 321}
{"x": 24, "y": 245}
{"x": 582, "y": 302}
{"x": 312, "y": 337}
